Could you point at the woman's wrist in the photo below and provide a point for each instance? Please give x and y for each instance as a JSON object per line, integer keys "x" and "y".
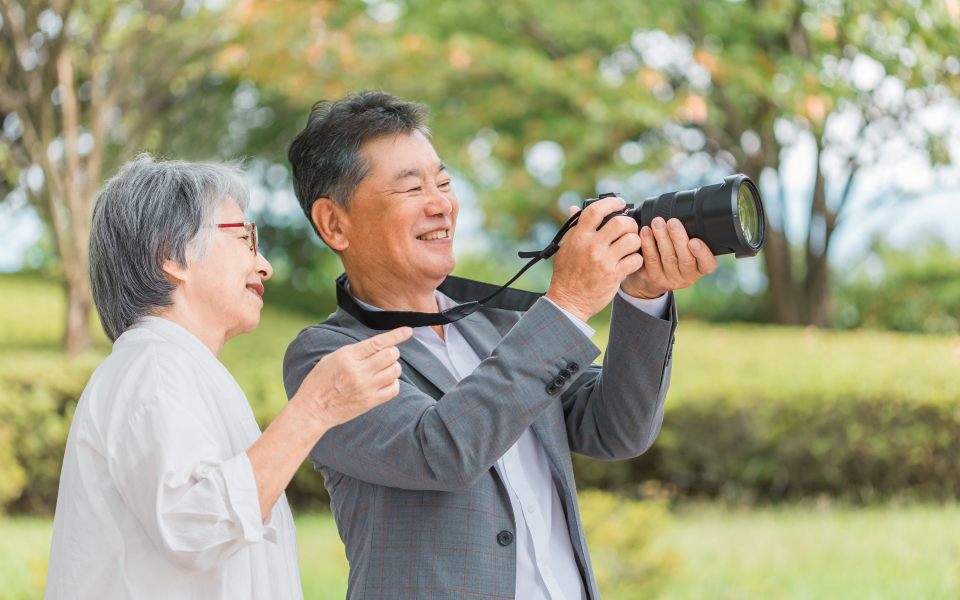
{"x": 307, "y": 417}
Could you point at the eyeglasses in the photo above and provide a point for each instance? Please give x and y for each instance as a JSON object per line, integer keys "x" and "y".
{"x": 251, "y": 231}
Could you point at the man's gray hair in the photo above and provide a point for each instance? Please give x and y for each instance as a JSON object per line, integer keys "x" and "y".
{"x": 153, "y": 211}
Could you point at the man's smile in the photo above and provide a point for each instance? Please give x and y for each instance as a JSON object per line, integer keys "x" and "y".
{"x": 435, "y": 235}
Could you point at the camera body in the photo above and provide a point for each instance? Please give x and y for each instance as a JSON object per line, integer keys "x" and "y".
{"x": 728, "y": 217}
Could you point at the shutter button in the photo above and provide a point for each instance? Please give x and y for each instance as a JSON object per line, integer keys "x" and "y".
{"x": 505, "y": 538}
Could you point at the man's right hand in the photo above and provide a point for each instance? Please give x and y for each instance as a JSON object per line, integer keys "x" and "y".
{"x": 352, "y": 380}
{"x": 588, "y": 267}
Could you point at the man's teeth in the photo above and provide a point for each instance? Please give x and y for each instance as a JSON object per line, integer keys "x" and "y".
{"x": 436, "y": 235}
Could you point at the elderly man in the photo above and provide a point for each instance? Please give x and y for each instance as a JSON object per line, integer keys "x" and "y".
{"x": 462, "y": 487}
{"x": 168, "y": 488}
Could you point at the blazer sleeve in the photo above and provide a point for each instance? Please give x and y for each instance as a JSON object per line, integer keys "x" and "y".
{"x": 416, "y": 442}
{"x": 616, "y": 412}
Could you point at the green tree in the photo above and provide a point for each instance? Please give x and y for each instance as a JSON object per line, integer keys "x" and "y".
{"x": 874, "y": 64}
{"x": 534, "y": 98}
{"x": 85, "y": 85}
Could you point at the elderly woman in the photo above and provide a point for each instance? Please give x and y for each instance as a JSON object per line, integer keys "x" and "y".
{"x": 169, "y": 490}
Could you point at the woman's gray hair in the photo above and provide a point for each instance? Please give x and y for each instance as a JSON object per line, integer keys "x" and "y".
{"x": 153, "y": 211}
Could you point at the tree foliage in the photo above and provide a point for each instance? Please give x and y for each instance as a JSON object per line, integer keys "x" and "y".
{"x": 86, "y": 85}
{"x": 536, "y": 104}
{"x": 533, "y": 98}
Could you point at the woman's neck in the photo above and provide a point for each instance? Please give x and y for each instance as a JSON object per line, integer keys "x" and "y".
{"x": 209, "y": 335}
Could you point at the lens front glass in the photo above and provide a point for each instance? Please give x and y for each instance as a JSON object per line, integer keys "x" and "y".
{"x": 747, "y": 213}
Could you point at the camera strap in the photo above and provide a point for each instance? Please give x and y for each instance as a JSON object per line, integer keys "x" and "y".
{"x": 458, "y": 288}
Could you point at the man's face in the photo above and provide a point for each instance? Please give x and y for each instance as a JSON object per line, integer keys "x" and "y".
{"x": 403, "y": 215}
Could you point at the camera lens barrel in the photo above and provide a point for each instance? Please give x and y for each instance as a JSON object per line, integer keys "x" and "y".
{"x": 727, "y": 216}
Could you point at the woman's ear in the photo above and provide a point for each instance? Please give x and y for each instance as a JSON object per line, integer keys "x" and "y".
{"x": 175, "y": 272}
{"x": 330, "y": 219}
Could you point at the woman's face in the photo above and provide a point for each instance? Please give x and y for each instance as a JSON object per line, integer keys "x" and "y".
{"x": 224, "y": 289}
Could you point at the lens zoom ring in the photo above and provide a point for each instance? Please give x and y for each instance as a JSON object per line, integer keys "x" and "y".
{"x": 664, "y": 206}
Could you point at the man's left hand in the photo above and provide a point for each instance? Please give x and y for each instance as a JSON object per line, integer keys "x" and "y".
{"x": 671, "y": 261}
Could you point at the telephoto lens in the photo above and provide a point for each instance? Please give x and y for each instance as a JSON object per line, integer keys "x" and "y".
{"x": 727, "y": 217}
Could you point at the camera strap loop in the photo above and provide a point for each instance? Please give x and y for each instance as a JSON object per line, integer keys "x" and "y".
{"x": 458, "y": 288}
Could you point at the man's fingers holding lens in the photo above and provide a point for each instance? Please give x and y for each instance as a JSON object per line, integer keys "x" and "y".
{"x": 668, "y": 255}
{"x": 685, "y": 259}
{"x": 648, "y": 246}
{"x": 706, "y": 261}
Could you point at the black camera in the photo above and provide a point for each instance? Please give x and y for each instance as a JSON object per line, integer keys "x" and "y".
{"x": 728, "y": 217}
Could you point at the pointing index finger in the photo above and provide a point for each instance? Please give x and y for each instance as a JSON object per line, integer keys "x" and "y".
{"x": 371, "y": 346}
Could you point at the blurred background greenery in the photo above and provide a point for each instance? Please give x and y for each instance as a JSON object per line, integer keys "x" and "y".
{"x": 810, "y": 445}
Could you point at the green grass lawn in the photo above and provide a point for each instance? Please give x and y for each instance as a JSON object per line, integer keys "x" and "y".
{"x": 789, "y": 553}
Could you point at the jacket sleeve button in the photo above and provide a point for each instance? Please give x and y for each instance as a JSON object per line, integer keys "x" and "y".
{"x": 559, "y": 381}
{"x": 552, "y": 388}
{"x": 566, "y": 373}
{"x": 573, "y": 367}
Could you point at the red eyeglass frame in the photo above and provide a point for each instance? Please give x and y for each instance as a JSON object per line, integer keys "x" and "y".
{"x": 251, "y": 229}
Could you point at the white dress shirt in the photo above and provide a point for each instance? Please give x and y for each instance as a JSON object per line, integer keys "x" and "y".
{"x": 546, "y": 563}
{"x": 157, "y": 496}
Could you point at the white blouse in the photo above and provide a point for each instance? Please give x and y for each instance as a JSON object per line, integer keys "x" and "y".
{"x": 157, "y": 496}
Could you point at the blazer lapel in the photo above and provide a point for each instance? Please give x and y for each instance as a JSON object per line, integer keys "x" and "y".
{"x": 479, "y": 333}
{"x": 426, "y": 364}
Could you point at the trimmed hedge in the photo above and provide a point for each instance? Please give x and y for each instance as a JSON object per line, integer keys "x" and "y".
{"x": 861, "y": 451}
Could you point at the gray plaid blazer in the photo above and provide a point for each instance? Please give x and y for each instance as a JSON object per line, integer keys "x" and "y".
{"x": 418, "y": 498}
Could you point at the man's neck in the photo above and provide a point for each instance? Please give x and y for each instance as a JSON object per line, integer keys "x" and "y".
{"x": 396, "y": 296}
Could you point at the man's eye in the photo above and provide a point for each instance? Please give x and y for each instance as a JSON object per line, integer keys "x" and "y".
{"x": 245, "y": 238}
{"x": 445, "y": 184}
{"x": 416, "y": 189}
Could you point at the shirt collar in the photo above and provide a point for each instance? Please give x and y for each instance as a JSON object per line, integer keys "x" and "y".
{"x": 174, "y": 333}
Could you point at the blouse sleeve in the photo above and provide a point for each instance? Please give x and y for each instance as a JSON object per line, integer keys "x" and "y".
{"x": 169, "y": 468}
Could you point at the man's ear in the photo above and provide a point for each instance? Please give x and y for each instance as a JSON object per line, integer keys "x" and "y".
{"x": 330, "y": 219}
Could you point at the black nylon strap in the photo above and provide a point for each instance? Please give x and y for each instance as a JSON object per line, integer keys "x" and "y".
{"x": 457, "y": 288}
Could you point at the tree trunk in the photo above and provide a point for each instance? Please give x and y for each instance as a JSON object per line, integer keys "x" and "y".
{"x": 79, "y": 305}
{"x": 784, "y": 293}
{"x": 79, "y": 192}
{"x": 818, "y": 298}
